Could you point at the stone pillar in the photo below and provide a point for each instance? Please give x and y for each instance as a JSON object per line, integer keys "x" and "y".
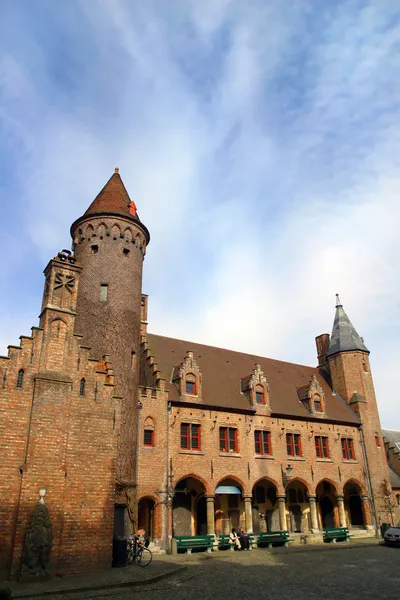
{"x": 313, "y": 512}
{"x": 248, "y": 513}
{"x": 342, "y": 513}
{"x": 210, "y": 514}
{"x": 366, "y": 507}
{"x": 282, "y": 512}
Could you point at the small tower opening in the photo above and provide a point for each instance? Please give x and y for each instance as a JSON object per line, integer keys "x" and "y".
{"x": 103, "y": 292}
{"x": 20, "y": 378}
{"x": 82, "y": 387}
{"x": 126, "y": 252}
{"x": 94, "y": 249}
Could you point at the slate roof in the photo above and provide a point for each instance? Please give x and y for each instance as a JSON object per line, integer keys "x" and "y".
{"x": 344, "y": 336}
{"x": 394, "y": 478}
{"x": 114, "y": 199}
{"x": 392, "y": 436}
{"x": 223, "y": 371}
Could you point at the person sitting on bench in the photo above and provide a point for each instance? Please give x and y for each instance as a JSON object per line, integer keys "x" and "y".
{"x": 234, "y": 540}
{"x": 244, "y": 539}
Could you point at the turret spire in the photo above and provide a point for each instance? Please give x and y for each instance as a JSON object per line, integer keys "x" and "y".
{"x": 344, "y": 336}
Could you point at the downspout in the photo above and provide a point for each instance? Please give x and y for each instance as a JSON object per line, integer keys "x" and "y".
{"x": 167, "y": 481}
{"x": 368, "y": 477}
{"x": 140, "y": 406}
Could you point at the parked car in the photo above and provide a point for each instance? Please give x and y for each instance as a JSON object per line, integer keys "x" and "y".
{"x": 392, "y": 535}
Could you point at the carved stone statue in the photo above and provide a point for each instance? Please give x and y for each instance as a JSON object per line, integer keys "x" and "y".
{"x": 37, "y": 544}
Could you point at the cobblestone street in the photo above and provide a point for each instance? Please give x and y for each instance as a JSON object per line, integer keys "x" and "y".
{"x": 367, "y": 573}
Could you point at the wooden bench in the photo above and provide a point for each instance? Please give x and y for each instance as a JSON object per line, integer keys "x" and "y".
{"x": 268, "y": 538}
{"x": 224, "y": 542}
{"x": 194, "y": 542}
{"x": 334, "y": 534}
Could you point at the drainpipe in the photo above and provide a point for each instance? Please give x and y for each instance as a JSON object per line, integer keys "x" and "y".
{"x": 167, "y": 481}
{"x": 369, "y": 484}
{"x": 140, "y": 406}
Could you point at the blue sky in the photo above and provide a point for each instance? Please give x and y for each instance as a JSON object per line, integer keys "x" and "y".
{"x": 260, "y": 141}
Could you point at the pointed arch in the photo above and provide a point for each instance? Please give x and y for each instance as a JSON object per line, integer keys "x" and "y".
{"x": 115, "y": 231}
{"x": 300, "y": 480}
{"x": 234, "y": 478}
{"x": 128, "y": 235}
{"x": 332, "y": 483}
{"x": 89, "y": 230}
{"x": 194, "y": 476}
{"x": 82, "y": 386}
{"x": 102, "y": 230}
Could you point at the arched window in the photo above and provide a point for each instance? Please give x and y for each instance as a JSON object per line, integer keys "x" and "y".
{"x": 190, "y": 384}
{"x": 20, "y": 378}
{"x": 260, "y": 395}
{"x": 82, "y": 387}
{"x": 398, "y": 499}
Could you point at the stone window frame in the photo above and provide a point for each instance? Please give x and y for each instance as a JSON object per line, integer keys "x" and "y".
{"x": 315, "y": 394}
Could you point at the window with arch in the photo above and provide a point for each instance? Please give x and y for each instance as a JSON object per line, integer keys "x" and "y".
{"x": 191, "y": 384}
{"x": 82, "y": 387}
{"x": 20, "y": 378}
{"x": 260, "y": 394}
{"x": 398, "y": 499}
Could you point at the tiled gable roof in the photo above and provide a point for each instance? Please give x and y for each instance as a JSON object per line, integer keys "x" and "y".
{"x": 223, "y": 371}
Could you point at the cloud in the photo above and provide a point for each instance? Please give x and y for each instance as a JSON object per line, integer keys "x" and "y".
{"x": 260, "y": 144}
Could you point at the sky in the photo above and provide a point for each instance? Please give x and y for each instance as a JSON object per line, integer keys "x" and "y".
{"x": 260, "y": 141}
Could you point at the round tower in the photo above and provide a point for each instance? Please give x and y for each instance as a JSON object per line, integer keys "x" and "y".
{"x": 109, "y": 242}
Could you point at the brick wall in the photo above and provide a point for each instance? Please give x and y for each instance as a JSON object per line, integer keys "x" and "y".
{"x": 57, "y": 439}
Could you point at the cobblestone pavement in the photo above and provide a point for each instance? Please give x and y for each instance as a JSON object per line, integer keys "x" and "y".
{"x": 348, "y": 574}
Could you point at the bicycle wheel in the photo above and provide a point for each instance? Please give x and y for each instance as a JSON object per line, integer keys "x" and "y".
{"x": 131, "y": 556}
{"x": 143, "y": 557}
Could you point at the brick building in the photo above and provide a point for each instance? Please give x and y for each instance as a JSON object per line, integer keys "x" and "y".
{"x": 114, "y": 428}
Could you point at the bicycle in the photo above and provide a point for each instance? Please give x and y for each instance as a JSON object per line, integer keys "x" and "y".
{"x": 138, "y": 552}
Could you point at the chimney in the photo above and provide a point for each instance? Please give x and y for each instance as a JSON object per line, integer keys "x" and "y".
{"x": 322, "y": 343}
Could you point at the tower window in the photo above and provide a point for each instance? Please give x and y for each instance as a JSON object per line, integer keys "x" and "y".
{"x": 94, "y": 249}
{"x": 318, "y": 404}
{"x": 103, "y": 292}
{"x": 126, "y": 252}
{"x": 20, "y": 378}
{"x": 82, "y": 387}
{"x": 148, "y": 438}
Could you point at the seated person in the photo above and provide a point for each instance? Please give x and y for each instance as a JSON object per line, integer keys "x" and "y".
{"x": 234, "y": 540}
{"x": 244, "y": 539}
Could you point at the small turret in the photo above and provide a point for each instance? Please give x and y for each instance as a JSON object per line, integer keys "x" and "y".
{"x": 344, "y": 336}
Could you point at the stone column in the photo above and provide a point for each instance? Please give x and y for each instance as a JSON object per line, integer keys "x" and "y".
{"x": 342, "y": 513}
{"x": 248, "y": 514}
{"x": 282, "y": 512}
{"x": 210, "y": 514}
{"x": 366, "y": 507}
{"x": 313, "y": 512}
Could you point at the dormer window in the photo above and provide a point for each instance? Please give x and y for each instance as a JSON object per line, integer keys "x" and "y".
{"x": 260, "y": 395}
{"x": 318, "y": 404}
{"x": 190, "y": 384}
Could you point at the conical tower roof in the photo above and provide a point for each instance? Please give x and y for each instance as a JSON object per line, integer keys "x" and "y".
{"x": 113, "y": 199}
{"x": 344, "y": 336}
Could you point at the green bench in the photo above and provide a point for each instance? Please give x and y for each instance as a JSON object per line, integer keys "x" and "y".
{"x": 194, "y": 542}
{"x": 334, "y": 534}
{"x": 224, "y": 542}
{"x": 268, "y": 538}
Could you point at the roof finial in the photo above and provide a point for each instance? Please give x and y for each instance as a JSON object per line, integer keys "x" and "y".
{"x": 116, "y": 170}
{"x": 338, "y": 303}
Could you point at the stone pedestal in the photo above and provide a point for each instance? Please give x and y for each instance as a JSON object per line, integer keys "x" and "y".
{"x": 313, "y": 512}
{"x": 342, "y": 514}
